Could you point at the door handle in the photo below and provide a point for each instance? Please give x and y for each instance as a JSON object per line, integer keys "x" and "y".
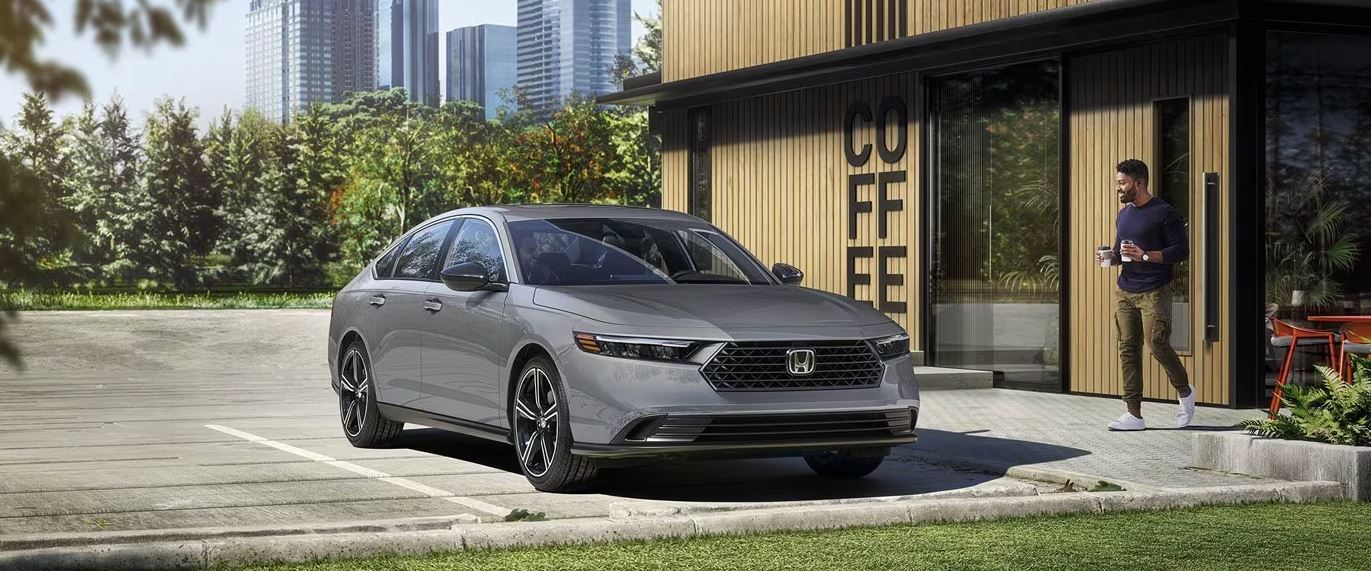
{"x": 378, "y": 300}
{"x": 433, "y": 305}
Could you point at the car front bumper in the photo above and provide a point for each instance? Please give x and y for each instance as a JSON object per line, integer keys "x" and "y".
{"x": 629, "y": 408}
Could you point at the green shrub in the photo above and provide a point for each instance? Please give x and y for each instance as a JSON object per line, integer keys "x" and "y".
{"x": 1333, "y": 412}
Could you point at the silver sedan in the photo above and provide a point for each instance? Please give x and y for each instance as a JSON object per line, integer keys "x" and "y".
{"x": 594, "y": 336}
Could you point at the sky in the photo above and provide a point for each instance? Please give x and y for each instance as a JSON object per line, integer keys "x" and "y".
{"x": 208, "y": 72}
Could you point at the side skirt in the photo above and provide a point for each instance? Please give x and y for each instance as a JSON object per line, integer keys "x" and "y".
{"x": 432, "y": 420}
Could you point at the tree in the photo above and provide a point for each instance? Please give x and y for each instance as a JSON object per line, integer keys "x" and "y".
{"x": 39, "y": 148}
{"x": 391, "y": 182}
{"x": 181, "y": 200}
{"x": 238, "y": 156}
{"x": 103, "y": 190}
{"x": 297, "y": 195}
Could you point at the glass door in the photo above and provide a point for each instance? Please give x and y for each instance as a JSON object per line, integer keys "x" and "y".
{"x": 995, "y": 164}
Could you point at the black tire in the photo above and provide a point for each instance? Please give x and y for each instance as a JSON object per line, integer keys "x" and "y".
{"x": 365, "y": 428}
{"x": 842, "y": 464}
{"x": 554, "y": 468}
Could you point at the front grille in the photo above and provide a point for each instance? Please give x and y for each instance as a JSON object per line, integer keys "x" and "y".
{"x": 782, "y": 427}
{"x": 761, "y": 366}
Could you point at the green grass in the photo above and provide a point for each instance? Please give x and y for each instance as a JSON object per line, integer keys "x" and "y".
{"x": 25, "y": 300}
{"x": 1267, "y": 536}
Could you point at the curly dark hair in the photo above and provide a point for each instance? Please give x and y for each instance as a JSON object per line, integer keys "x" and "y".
{"x": 1134, "y": 168}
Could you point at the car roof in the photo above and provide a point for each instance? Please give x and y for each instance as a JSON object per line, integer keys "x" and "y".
{"x": 517, "y": 212}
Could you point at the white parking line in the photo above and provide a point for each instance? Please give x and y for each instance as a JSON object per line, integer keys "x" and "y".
{"x": 364, "y": 471}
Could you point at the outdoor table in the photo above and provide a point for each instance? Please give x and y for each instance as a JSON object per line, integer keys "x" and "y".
{"x": 1340, "y": 318}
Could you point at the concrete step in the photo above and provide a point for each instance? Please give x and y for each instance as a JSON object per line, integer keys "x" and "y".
{"x": 942, "y": 378}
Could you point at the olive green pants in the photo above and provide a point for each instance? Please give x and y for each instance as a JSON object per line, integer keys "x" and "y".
{"x": 1135, "y": 315}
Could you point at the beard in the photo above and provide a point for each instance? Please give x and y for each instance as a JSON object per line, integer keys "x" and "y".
{"x": 1127, "y": 195}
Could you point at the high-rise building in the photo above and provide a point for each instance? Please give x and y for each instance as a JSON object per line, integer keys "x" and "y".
{"x": 570, "y": 46}
{"x": 407, "y": 48}
{"x": 354, "y": 47}
{"x": 302, "y": 52}
{"x": 481, "y": 65}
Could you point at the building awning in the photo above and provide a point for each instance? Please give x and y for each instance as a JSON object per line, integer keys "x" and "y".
{"x": 1091, "y": 23}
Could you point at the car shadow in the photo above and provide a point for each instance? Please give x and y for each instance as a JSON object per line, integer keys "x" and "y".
{"x": 770, "y": 479}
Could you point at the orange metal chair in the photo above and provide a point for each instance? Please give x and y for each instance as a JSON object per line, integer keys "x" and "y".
{"x": 1287, "y": 335}
{"x": 1356, "y": 339}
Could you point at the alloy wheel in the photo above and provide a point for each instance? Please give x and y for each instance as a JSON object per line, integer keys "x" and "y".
{"x": 535, "y": 422}
{"x": 356, "y": 389}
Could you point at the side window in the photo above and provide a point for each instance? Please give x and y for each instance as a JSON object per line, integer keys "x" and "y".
{"x": 419, "y": 259}
{"x": 386, "y": 263}
{"x": 476, "y": 242}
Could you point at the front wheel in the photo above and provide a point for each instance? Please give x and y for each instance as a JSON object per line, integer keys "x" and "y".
{"x": 842, "y": 464}
{"x": 542, "y": 431}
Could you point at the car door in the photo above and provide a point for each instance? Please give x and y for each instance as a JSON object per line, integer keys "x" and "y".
{"x": 399, "y": 316}
{"x": 464, "y": 342}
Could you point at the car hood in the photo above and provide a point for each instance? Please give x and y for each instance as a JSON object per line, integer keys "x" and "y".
{"x": 706, "y": 305}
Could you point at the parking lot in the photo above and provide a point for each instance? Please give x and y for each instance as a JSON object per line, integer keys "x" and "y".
{"x": 136, "y": 422}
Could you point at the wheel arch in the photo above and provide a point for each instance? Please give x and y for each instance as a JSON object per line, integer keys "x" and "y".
{"x": 527, "y": 350}
{"x": 352, "y": 334}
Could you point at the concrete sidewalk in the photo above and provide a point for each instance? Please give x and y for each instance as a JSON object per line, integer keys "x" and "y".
{"x": 159, "y": 438}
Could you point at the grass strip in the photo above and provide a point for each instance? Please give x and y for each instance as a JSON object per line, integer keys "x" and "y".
{"x": 23, "y": 300}
{"x": 1265, "y": 536}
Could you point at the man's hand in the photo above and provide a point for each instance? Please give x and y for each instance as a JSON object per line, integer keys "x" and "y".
{"x": 1102, "y": 255}
{"x": 1131, "y": 251}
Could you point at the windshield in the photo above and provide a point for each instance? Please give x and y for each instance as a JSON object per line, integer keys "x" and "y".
{"x": 602, "y": 251}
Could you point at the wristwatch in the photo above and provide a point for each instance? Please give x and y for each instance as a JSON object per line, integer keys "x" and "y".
{"x": 1145, "y": 258}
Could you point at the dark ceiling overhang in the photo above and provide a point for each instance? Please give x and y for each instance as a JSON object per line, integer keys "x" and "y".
{"x": 1097, "y": 23}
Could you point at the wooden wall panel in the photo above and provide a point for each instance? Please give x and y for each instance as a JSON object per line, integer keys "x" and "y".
{"x": 701, "y": 37}
{"x": 780, "y": 183}
{"x": 1112, "y": 95}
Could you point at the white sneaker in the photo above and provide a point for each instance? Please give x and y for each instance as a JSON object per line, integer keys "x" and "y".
{"x": 1128, "y": 422}
{"x": 1187, "y": 410}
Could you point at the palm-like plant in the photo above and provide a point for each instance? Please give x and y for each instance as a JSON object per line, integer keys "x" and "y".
{"x": 1309, "y": 242}
{"x": 1333, "y": 412}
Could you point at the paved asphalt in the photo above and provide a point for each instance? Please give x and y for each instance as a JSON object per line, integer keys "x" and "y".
{"x": 195, "y": 419}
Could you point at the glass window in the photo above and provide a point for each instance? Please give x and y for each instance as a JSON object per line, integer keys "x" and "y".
{"x": 995, "y": 233}
{"x": 1318, "y": 159}
{"x": 419, "y": 259}
{"x": 1172, "y": 183}
{"x": 476, "y": 242}
{"x": 386, "y": 263}
{"x": 596, "y": 251}
{"x": 700, "y": 186}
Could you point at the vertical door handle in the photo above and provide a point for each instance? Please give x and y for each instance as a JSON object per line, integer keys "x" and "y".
{"x": 433, "y": 305}
{"x": 378, "y": 300}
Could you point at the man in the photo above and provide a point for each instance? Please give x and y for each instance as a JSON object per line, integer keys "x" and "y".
{"x": 1156, "y": 238}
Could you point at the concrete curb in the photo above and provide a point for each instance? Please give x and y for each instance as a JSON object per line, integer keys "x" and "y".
{"x": 242, "y": 550}
{"x": 1050, "y": 475}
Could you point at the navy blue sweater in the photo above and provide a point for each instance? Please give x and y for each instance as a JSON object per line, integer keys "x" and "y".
{"x": 1153, "y": 226}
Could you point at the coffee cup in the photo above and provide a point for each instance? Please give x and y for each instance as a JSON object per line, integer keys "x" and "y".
{"x": 1104, "y": 256}
{"x": 1122, "y": 255}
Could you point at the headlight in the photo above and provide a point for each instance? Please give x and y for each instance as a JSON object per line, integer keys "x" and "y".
{"x": 892, "y": 346}
{"x": 635, "y": 347}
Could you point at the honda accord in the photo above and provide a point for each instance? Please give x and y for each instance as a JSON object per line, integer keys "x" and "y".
{"x": 597, "y": 336}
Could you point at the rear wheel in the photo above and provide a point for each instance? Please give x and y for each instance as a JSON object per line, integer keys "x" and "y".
{"x": 362, "y": 421}
{"x": 842, "y": 464}
{"x": 542, "y": 433}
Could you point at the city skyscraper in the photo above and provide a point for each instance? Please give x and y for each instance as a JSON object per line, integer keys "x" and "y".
{"x": 481, "y": 65}
{"x": 289, "y": 56}
{"x": 570, "y": 46}
{"x": 407, "y": 48}
{"x": 354, "y": 47}
{"x": 302, "y": 52}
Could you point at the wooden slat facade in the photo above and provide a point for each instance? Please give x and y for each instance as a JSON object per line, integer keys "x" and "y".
{"x": 701, "y": 37}
{"x": 779, "y": 174}
{"x": 1112, "y": 97}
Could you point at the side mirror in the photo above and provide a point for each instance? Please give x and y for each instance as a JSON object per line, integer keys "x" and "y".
{"x": 466, "y": 276}
{"x": 788, "y": 274}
